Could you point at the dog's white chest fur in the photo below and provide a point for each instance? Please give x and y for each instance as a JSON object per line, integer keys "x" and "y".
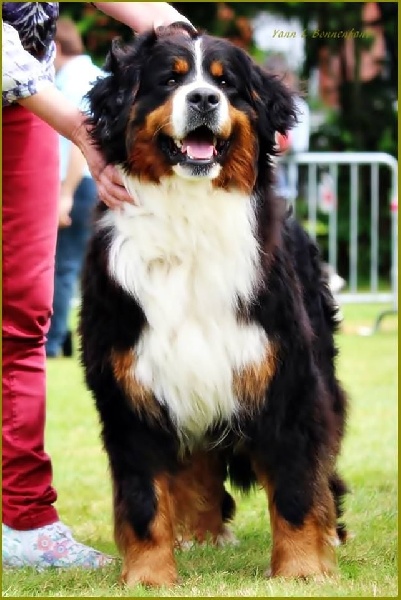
{"x": 187, "y": 254}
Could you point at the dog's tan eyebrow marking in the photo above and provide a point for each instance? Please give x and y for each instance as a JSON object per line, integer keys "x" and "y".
{"x": 181, "y": 66}
{"x": 216, "y": 68}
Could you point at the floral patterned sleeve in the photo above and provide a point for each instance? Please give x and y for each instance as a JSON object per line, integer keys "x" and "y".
{"x": 23, "y": 75}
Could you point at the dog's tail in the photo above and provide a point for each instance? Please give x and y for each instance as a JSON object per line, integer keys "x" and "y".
{"x": 339, "y": 489}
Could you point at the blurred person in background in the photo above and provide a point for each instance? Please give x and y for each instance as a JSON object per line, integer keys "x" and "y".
{"x": 297, "y": 140}
{"x": 75, "y": 74}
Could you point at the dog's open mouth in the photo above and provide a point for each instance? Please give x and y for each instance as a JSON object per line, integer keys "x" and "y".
{"x": 200, "y": 146}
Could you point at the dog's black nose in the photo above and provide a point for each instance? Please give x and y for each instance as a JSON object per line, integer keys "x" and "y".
{"x": 203, "y": 99}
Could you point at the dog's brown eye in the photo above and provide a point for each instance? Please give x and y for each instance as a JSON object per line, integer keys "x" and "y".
{"x": 171, "y": 81}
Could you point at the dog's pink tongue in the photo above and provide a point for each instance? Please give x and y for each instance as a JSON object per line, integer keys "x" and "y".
{"x": 198, "y": 149}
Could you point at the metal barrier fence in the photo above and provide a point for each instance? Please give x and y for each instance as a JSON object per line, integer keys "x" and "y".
{"x": 325, "y": 196}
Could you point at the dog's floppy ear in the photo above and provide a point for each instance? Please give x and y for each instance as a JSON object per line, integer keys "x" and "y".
{"x": 115, "y": 57}
{"x": 274, "y": 104}
{"x": 112, "y": 97}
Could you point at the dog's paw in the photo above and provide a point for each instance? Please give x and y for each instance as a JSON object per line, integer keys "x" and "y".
{"x": 148, "y": 577}
{"x": 227, "y": 538}
{"x": 184, "y": 544}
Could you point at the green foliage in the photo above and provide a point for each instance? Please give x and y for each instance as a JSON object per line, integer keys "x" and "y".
{"x": 98, "y": 29}
{"x": 366, "y": 119}
{"x": 205, "y": 14}
{"x": 369, "y": 125}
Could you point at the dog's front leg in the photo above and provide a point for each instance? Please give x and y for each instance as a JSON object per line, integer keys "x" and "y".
{"x": 302, "y": 549}
{"x": 143, "y": 527}
{"x": 302, "y": 516}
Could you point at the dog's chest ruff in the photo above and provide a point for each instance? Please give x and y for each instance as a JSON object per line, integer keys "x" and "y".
{"x": 187, "y": 257}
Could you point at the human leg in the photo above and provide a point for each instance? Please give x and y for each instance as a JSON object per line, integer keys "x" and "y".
{"x": 29, "y": 227}
{"x": 30, "y": 185}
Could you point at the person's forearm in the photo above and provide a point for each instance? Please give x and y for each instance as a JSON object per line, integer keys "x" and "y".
{"x": 75, "y": 169}
{"x": 52, "y": 107}
{"x": 141, "y": 16}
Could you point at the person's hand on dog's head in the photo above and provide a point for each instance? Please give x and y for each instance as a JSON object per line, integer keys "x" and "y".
{"x": 183, "y": 26}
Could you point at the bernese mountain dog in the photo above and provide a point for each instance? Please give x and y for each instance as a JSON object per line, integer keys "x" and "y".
{"x": 206, "y": 324}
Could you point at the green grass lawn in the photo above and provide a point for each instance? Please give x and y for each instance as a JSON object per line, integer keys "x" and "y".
{"x": 367, "y": 564}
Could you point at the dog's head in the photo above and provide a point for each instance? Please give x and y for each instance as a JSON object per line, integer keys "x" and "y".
{"x": 176, "y": 102}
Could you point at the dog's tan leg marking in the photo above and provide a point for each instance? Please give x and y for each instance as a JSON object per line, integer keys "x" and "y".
{"x": 198, "y": 492}
{"x": 305, "y": 551}
{"x": 149, "y": 561}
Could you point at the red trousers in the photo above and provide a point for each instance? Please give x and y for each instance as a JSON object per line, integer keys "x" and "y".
{"x": 30, "y": 192}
